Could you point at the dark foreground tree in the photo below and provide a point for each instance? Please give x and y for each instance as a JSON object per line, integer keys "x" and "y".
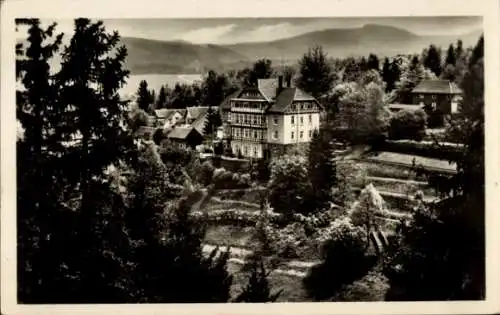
{"x": 321, "y": 167}
{"x": 78, "y": 253}
{"x": 170, "y": 266}
{"x": 258, "y": 289}
{"x": 345, "y": 260}
{"x": 447, "y": 262}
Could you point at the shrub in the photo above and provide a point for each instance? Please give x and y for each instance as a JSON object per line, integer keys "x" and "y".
{"x": 408, "y": 124}
{"x": 207, "y": 173}
{"x": 345, "y": 259}
{"x": 370, "y": 288}
{"x": 349, "y": 176}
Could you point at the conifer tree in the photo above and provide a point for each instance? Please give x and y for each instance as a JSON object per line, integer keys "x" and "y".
{"x": 432, "y": 60}
{"x": 321, "y": 166}
{"x": 450, "y": 56}
{"x": 389, "y": 75}
{"x": 143, "y": 96}
{"x": 373, "y": 62}
{"x": 36, "y": 189}
{"x": 258, "y": 288}
{"x": 161, "y": 102}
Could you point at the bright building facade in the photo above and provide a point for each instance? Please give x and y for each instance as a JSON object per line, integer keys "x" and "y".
{"x": 270, "y": 115}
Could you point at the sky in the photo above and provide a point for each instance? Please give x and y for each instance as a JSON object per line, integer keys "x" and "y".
{"x": 238, "y": 30}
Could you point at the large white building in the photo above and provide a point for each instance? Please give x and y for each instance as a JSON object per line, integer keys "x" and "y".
{"x": 274, "y": 115}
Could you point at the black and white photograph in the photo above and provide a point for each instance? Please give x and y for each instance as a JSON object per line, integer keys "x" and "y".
{"x": 187, "y": 160}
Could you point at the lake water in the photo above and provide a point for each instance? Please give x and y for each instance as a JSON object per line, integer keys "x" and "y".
{"x": 155, "y": 81}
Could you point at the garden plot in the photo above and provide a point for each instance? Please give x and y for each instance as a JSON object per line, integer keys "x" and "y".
{"x": 406, "y": 160}
{"x": 216, "y": 203}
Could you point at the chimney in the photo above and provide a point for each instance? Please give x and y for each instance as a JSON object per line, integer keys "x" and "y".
{"x": 280, "y": 84}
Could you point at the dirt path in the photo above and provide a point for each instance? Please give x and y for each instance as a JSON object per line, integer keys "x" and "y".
{"x": 295, "y": 268}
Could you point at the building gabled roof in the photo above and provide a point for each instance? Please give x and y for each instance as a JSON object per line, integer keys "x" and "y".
{"x": 181, "y": 133}
{"x": 226, "y": 103}
{"x": 283, "y": 100}
{"x": 166, "y": 113}
{"x": 287, "y": 96}
{"x": 437, "y": 87}
{"x": 198, "y": 111}
{"x": 267, "y": 87}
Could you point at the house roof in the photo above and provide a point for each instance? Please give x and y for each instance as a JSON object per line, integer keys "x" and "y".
{"x": 180, "y": 132}
{"x": 143, "y": 130}
{"x": 198, "y": 111}
{"x": 278, "y": 102}
{"x": 166, "y": 113}
{"x": 437, "y": 87}
{"x": 226, "y": 103}
{"x": 268, "y": 88}
{"x": 287, "y": 96}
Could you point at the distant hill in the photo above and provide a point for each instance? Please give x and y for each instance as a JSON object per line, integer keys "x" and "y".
{"x": 173, "y": 57}
{"x": 382, "y": 40}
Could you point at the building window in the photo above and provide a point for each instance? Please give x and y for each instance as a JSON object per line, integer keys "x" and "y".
{"x": 292, "y": 134}
{"x": 301, "y": 135}
{"x": 255, "y": 134}
{"x": 293, "y": 119}
{"x": 236, "y": 149}
{"x": 275, "y": 120}
{"x": 292, "y": 107}
{"x": 275, "y": 135}
{"x": 301, "y": 106}
{"x": 421, "y": 96}
{"x": 245, "y": 150}
{"x": 246, "y": 133}
{"x": 301, "y": 120}
{"x": 310, "y": 119}
{"x": 310, "y": 133}
{"x": 228, "y": 116}
{"x": 255, "y": 151}
{"x": 433, "y": 105}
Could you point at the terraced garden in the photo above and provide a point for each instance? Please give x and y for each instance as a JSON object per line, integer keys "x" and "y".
{"x": 391, "y": 176}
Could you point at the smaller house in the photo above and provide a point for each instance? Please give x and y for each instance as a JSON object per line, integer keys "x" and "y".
{"x": 167, "y": 118}
{"x": 144, "y": 133}
{"x": 196, "y": 117}
{"x": 185, "y": 137}
{"x": 441, "y": 96}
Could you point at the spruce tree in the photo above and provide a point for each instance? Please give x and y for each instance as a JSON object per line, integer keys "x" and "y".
{"x": 450, "y": 56}
{"x": 373, "y": 62}
{"x": 170, "y": 264}
{"x": 321, "y": 167}
{"x": 212, "y": 122}
{"x": 432, "y": 60}
{"x": 388, "y": 75}
{"x": 80, "y": 260}
{"x": 315, "y": 73}
{"x": 143, "y": 96}
{"x": 161, "y": 102}
{"x": 258, "y": 288}
{"x": 37, "y": 192}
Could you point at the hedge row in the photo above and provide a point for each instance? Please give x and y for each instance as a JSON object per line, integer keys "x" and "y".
{"x": 251, "y": 218}
{"x": 424, "y": 148}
